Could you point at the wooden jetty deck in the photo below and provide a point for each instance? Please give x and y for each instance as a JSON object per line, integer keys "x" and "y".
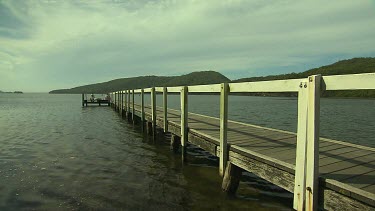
{"x": 322, "y": 173}
{"x": 99, "y": 102}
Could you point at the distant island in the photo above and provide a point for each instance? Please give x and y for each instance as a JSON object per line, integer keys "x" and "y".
{"x": 350, "y": 66}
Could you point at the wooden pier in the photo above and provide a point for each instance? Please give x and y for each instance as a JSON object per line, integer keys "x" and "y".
{"x": 99, "y": 102}
{"x": 321, "y": 173}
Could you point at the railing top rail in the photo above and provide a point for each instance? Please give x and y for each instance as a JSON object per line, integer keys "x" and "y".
{"x": 291, "y": 85}
{"x": 349, "y": 82}
{"x": 211, "y": 88}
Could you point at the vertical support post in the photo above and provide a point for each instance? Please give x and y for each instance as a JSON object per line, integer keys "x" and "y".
{"x": 118, "y": 101}
{"x": 121, "y": 101}
{"x": 300, "y": 174}
{"x": 128, "y": 105}
{"x": 115, "y": 101}
{"x": 165, "y": 109}
{"x": 83, "y": 100}
{"x": 184, "y": 121}
{"x": 231, "y": 179}
{"x": 312, "y": 150}
{"x": 133, "y": 108}
{"x": 153, "y": 108}
{"x": 142, "y": 109}
{"x": 125, "y": 103}
{"x": 223, "y": 128}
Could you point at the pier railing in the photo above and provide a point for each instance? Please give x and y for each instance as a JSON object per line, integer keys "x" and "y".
{"x": 309, "y": 92}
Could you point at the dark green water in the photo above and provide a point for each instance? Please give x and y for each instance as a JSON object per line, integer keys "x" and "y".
{"x": 55, "y": 155}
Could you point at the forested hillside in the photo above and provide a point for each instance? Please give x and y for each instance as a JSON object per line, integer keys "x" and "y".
{"x": 194, "y": 78}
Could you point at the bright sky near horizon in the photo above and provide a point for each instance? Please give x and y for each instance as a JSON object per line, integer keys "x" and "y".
{"x": 51, "y": 44}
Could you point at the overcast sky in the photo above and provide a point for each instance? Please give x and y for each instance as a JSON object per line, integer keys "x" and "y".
{"x": 52, "y": 44}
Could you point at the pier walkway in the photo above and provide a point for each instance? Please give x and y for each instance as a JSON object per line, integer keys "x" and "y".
{"x": 322, "y": 173}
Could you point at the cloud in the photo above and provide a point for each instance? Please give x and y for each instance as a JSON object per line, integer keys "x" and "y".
{"x": 52, "y": 44}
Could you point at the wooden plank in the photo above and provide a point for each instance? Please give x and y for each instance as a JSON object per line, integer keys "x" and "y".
{"x": 346, "y": 196}
{"x": 271, "y": 173}
{"x": 175, "y": 89}
{"x": 223, "y": 128}
{"x": 362, "y": 181}
{"x": 370, "y": 188}
{"x": 346, "y": 169}
{"x": 332, "y": 200}
{"x": 354, "y": 155}
{"x": 159, "y": 89}
{"x": 212, "y": 88}
{"x": 291, "y": 85}
{"x": 349, "y": 82}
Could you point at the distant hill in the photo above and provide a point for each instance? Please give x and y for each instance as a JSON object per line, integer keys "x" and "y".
{"x": 349, "y": 66}
{"x": 194, "y": 78}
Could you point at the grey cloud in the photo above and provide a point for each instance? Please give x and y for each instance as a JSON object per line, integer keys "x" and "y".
{"x": 69, "y": 43}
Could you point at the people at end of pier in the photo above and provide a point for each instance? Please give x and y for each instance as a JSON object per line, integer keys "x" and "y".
{"x": 107, "y": 97}
{"x": 92, "y": 98}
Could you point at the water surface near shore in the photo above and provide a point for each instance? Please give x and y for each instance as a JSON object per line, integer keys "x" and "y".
{"x": 56, "y": 155}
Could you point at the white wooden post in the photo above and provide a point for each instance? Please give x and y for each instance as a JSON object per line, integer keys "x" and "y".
{"x": 142, "y": 107}
{"x": 153, "y": 108}
{"x": 115, "y": 100}
{"x": 312, "y": 149}
{"x": 300, "y": 173}
{"x": 165, "y": 109}
{"x": 133, "y": 108}
{"x": 121, "y": 101}
{"x": 125, "y": 102}
{"x": 184, "y": 121}
{"x": 128, "y": 105}
{"x": 223, "y": 127}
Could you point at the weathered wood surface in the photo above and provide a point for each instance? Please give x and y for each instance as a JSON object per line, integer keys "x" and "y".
{"x": 231, "y": 179}
{"x": 347, "y": 163}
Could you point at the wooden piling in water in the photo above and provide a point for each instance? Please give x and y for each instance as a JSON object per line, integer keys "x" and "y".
{"x": 231, "y": 178}
{"x": 175, "y": 143}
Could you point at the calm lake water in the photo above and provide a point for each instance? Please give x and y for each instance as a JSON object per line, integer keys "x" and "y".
{"x": 56, "y": 155}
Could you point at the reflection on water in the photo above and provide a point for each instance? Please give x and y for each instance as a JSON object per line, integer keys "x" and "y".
{"x": 57, "y": 155}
